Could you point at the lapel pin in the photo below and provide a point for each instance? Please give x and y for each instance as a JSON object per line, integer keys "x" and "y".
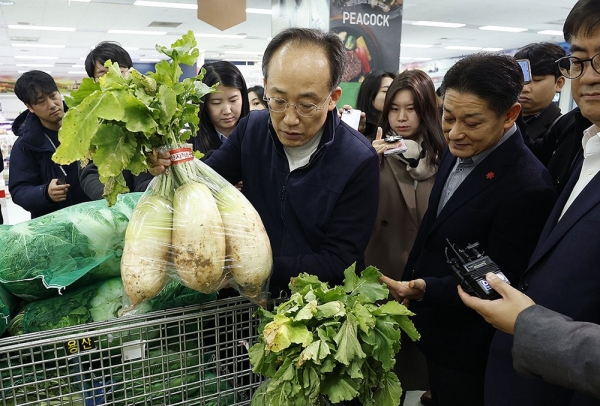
{"x": 490, "y": 175}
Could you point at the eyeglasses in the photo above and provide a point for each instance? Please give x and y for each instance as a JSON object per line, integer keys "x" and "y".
{"x": 279, "y": 105}
{"x": 572, "y": 67}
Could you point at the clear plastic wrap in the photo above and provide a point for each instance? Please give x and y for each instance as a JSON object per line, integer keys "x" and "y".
{"x": 101, "y": 301}
{"x": 69, "y": 248}
{"x": 194, "y": 226}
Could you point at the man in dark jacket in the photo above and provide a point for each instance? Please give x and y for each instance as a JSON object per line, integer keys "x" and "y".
{"x": 94, "y": 66}
{"x": 313, "y": 180}
{"x": 539, "y": 112}
{"x": 489, "y": 189}
{"x": 37, "y": 183}
{"x": 560, "y": 148}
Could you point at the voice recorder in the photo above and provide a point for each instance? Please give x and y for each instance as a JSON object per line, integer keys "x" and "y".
{"x": 469, "y": 268}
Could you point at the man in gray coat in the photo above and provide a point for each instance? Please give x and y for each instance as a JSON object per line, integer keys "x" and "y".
{"x": 546, "y": 344}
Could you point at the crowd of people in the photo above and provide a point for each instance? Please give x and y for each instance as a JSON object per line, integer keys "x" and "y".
{"x": 500, "y": 167}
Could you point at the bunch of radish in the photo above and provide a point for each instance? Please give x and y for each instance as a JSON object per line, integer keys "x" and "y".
{"x": 195, "y": 226}
{"x": 191, "y": 224}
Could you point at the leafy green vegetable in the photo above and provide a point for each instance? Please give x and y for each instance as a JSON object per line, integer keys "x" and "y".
{"x": 71, "y": 247}
{"x": 99, "y": 302}
{"x": 120, "y": 120}
{"x": 8, "y": 303}
{"x": 338, "y": 343}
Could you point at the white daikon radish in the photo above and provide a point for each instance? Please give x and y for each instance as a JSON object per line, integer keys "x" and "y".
{"x": 145, "y": 253}
{"x": 249, "y": 256}
{"x": 198, "y": 238}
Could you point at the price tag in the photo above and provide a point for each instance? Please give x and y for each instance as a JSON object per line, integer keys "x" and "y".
{"x": 134, "y": 350}
{"x": 181, "y": 155}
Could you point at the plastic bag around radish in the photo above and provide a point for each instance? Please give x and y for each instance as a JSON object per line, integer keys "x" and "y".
{"x": 194, "y": 226}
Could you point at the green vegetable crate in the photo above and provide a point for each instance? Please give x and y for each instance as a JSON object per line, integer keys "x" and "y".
{"x": 195, "y": 355}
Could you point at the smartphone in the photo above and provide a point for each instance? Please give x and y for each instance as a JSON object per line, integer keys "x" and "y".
{"x": 398, "y": 150}
{"x": 351, "y": 117}
{"x": 61, "y": 181}
{"x": 526, "y": 68}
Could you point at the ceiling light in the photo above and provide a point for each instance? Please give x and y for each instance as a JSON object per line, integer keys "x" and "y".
{"x": 492, "y": 49}
{"x": 408, "y": 58}
{"x": 35, "y": 57}
{"x": 35, "y": 65}
{"x": 150, "y": 59}
{"x": 403, "y": 45}
{"x": 550, "y": 32}
{"x": 165, "y": 4}
{"x": 39, "y": 27}
{"x": 503, "y": 29}
{"x": 25, "y": 71}
{"x": 7, "y": 3}
{"x": 220, "y": 36}
{"x": 259, "y": 11}
{"x": 133, "y": 32}
{"x": 438, "y": 24}
{"x": 78, "y": 66}
{"x": 81, "y": 1}
{"x": 244, "y": 52}
{"x": 131, "y": 48}
{"x": 37, "y": 45}
{"x": 463, "y": 48}
{"x": 76, "y": 72}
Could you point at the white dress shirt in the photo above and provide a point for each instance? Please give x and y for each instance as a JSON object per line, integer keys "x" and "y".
{"x": 591, "y": 163}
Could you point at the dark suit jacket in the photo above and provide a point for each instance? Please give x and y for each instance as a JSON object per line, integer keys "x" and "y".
{"x": 537, "y": 127}
{"x": 502, "y": 205}
{"x": 562, "y": 276}
{"x": 560, "y": 148}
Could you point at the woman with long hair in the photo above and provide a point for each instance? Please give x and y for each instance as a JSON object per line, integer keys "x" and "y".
{"x": 221, "y": 111}
{"x": 256, "y": 98}
{"x": 370, "y": 99}
{"x": 406, "y": 179}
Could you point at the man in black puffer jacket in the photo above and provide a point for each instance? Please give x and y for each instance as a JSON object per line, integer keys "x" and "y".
{"x": 37, "y": 183}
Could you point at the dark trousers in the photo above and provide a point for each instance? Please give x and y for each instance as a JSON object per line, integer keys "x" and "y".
{"x": 450, "y": 387}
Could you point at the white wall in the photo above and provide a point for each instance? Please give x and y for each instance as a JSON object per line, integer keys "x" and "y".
{"x": 11, "y": 105}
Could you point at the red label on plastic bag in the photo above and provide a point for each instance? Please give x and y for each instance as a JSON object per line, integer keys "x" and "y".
{"x": 181, "y": 155}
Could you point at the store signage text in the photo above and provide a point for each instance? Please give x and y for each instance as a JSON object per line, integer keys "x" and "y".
{"x": 381, "y": 20}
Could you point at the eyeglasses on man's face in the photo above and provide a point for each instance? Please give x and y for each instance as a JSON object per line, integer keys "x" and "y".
{"x": 279, "y": 105}
{"x": 572, "y": 67}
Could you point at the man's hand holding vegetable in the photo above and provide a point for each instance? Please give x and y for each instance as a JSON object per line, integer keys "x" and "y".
{"x": 159, "y": 162}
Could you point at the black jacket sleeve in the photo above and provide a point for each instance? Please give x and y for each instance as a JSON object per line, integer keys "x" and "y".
{"x": 90, "y": 181}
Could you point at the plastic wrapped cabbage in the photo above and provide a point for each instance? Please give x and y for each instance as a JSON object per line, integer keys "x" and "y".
{"x": 71, "y": 247}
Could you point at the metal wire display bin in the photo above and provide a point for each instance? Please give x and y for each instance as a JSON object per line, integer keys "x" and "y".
{"x": 196, "y": 355}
